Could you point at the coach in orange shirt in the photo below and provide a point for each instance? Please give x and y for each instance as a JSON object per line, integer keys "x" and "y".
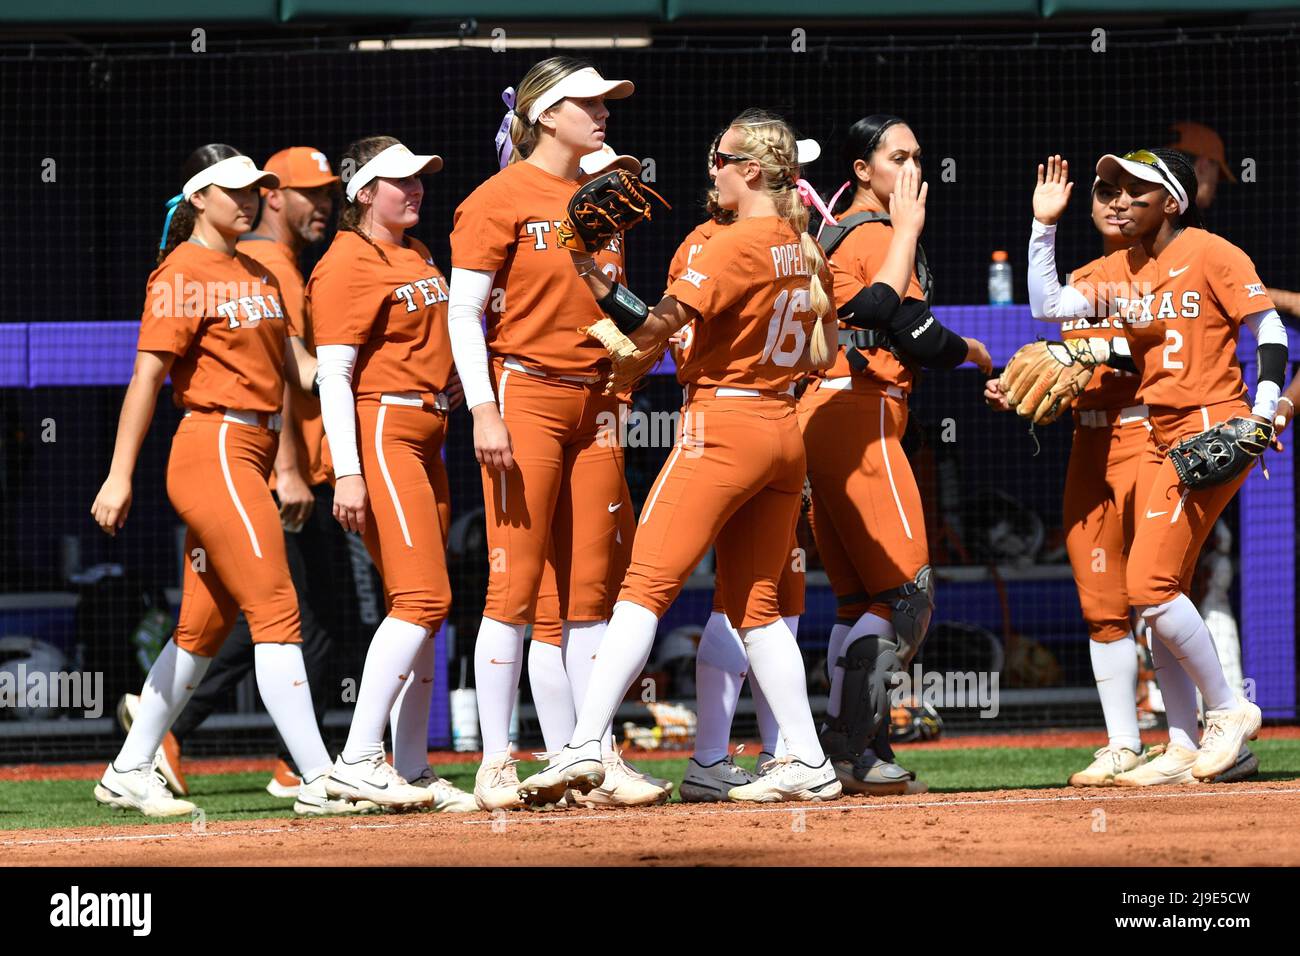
{"x": 294, "y": 216}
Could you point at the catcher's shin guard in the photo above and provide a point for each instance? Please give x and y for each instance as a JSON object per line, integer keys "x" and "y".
{"x": 870, "y": 664}
{"x": 912, "y": 606}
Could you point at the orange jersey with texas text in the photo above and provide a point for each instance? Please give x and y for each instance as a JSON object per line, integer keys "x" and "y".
{"x": 749, "y": 285}
{"x": 538, "y": 301}
{"x": 222, "y": 317}
{"x": 1181, "y": 312}
{"x": 1109, "y": 389}
{"x": 854, "y": 264}
{"x": 394, "y": 312}
{"x": 280, "y": 260}
{"x": 690, "y": 248}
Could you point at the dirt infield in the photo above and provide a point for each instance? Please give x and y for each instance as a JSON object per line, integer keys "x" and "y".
{"x": 202, "y": 765}
{"x": 1227, "y": 825}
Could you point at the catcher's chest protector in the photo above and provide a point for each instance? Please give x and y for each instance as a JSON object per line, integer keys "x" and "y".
{"x": 830, "y": 237}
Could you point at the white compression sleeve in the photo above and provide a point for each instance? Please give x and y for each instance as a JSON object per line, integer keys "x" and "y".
{"x": 1269, "y": 330}
{"x": 1047, "y": 298}
{"x": 466, "y": 299}
{"x": 338, "y": 407}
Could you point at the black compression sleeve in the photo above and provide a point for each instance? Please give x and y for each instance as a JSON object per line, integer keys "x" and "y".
{"x": 872, "y": 308}
{"x": 1272, "y": 363}
{"x": 919, "y": 336}
{"x": 1122, "y": 361}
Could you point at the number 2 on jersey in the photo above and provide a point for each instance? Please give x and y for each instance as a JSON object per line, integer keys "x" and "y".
{"x": 786, "y": 322}
{"x": 1175, "y": 340}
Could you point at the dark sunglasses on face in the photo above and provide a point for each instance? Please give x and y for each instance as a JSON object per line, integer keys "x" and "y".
{"x": 721, "y": 159}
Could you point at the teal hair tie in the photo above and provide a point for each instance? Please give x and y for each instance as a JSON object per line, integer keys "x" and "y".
{"x": 167, "y": 223}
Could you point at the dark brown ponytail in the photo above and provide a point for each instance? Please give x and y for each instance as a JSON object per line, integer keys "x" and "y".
{"x": 181, "y": 219}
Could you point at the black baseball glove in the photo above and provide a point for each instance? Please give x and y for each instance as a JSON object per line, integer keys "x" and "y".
{"x": 611, "y": 203}
{"x": 1222, "y": 453}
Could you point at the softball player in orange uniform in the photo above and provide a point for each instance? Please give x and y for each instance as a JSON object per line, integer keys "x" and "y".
{"x": 379, "y": 306}
{"x": 756, "y": 292}
{"x": 550, "y": 483}
{"x": 1181, "y": 294}
{"x": 867, "y": 516}
{"x": 213, "y": 319}
{"x": 721, "y": 663}
{"x": 1110, "y": 438}
{"x": 558, "y": 671}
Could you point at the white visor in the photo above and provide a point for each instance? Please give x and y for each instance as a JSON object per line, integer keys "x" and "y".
{"x": 1110, "y": 166}
{"x": 396, "y": 162}
{"x": 808, "y": 151}
{"x": 233, "y": 173}
{"x": 606, "y": 158}
{"x": 584, "y": 83}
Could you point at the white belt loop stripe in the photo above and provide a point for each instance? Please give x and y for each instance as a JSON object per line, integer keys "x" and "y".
{"x": 1205, "y": 418}
{"x": 726, "y": 391}
{"x": 889, "y": 470}
{"x": 837, "y": 384}
{"x": 501, "y": 406}
{"x": 388, "y": 479}
{"x": 230, "y": 487}
{"x": 407, "y": 399}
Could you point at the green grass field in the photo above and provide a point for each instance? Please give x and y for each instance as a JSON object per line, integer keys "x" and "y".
{"x": 240, "y": 796}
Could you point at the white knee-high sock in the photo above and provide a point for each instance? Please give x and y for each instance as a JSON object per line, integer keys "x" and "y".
{"x": 1179, "y": 693}
{"x": 498, "y": 662}
{"x": 720, "y": 666}
{"x": 408, "y": 720}
{"x": 282, "y": 682}
{"x": 777, "y": 667}
{"x": 552, "y": 694}
{"x": 581, "y": 642}
{"x": 769, "y": 731}
{"x": 867, "y": 624}
{"x": 1114, "y": 668}
{"x": 167, "y": 689}
{"x": 620, "y": 660}
{"x": 392, "y": 651}
{"x": 1183, "y": 630}
{"x": 835, "y": 673}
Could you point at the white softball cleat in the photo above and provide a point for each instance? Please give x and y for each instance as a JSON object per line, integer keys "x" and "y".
{"x": 443, "y": 795}
{"x": 142, "y": 790}
{"x": 663, "y": 783}
{"x": 373, "y": 779}
{"x": 1226, "y": 731}
{"x": 712, "y": 782}
{"x": 1108, "y": 763}
{"x": 313, "y": 801}
{"x": 496, "y": 785}
{"x": 1165, "y": 764}
{"x": 789, "y": 779}
{"x": 579, "y": 768}
{"x": 622, "y": 787}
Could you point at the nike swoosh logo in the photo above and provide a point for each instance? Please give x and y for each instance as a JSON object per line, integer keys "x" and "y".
{"x": 613, "y": 508}
{"x": 402, "y": 676}
{"x": 495, "y": 661}
{"x": 299, "y": 683}
{"x": 1156, "y": 514}
{"x": 1178, "y": 272}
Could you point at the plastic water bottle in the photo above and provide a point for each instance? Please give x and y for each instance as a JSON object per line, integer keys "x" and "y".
{"x": 1000, "y": 279}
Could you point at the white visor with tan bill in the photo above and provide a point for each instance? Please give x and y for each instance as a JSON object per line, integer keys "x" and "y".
{"x": 1146, "y": 166}
{"x": 395, "y": 162}
{"x": 582, "y": 84}
{"x": 236, "y": 172}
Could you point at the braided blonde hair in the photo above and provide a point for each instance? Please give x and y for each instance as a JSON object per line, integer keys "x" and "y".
{"x": 768, "y": 139}
{"x": 539, "y": 79}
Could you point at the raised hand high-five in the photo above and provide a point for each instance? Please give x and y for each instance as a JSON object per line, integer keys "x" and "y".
{"x": 1052, "y": 194}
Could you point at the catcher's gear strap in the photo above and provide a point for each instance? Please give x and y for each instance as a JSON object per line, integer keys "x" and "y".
{"x": 920, "y": 337}
{"x": 831, "y": 236}
{"x": 622, "y": 305}
{"x": 869, "y": 663}
{"x": 872, "y": 307}
{"x": 912, "y": 606}
{"x": 1220, "y": 454}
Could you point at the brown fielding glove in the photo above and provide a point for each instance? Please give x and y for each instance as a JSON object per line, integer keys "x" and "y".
{"x": 629, "y": 365}
{"x": 1043, "y": 379}
{"x": 611, "y": 203}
